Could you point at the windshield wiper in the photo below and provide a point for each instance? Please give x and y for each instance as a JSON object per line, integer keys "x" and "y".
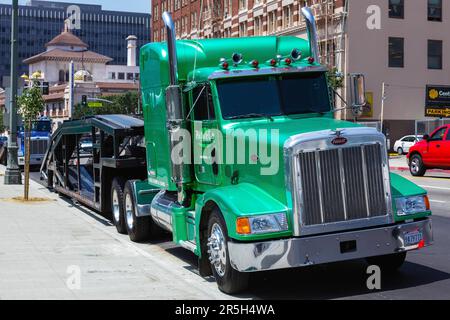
{"x": 252, "y": 115}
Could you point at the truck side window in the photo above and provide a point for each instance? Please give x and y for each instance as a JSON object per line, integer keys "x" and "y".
{"x": 204, "y": 109}
{"x": 439, "y": 135}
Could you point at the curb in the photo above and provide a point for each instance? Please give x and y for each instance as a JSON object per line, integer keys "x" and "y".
{"x": 432, "y": 170}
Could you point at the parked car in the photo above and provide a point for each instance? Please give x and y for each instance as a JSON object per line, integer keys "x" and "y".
{"x": 403, "y": 145}
{"x": 433, "y": 152}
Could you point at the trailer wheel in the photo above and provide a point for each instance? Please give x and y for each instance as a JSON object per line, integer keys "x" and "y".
{"x": 138, "y": 228}
{"x": 117, "y": 206}
{"x": 388, "y": 263}
{"x": 229, "y": 280}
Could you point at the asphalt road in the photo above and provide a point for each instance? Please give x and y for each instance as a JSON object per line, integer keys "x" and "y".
{"x": 425, "y": 275}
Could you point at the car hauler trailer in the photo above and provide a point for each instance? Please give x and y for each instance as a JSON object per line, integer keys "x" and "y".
{"x": 330, "y": 198}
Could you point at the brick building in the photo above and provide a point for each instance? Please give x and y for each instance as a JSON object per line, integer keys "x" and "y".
{"x": 239, "y": 18}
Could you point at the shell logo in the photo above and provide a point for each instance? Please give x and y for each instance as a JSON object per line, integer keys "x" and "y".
{"x": 434, "y": 94}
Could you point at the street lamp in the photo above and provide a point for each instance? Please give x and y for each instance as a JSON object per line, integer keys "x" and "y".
{"x": 13, "y": 176}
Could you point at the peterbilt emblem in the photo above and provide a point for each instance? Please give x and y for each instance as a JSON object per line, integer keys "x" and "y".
{"x": 339, "y": 140}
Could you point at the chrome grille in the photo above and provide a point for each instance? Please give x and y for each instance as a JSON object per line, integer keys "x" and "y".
{"x": 341, "y": 185}
{"x": 38, "y": 146}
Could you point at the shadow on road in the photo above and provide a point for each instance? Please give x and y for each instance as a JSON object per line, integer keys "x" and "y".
{"x": 332, "y": 281}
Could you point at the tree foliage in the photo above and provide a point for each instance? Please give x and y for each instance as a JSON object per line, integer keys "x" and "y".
{"x": 335, "y": 79}
{"x": 126, "y": 103}
{"x": 30, "y": 105}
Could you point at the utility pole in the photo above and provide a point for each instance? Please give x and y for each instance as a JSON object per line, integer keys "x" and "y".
{"x": 13, "y": 175}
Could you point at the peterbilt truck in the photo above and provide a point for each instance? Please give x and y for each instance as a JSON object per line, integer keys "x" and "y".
{"x": 239, "y": 156}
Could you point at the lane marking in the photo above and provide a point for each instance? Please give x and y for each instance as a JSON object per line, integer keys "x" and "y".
{"x": 438, "y": 201}
{"x": 433, "y": 187}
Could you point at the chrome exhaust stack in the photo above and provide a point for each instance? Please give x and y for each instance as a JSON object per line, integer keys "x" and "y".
{"x": 311, "y": 29}
{"x": 175, "y": 113}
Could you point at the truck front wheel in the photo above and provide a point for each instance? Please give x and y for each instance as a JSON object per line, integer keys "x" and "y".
{"x": 138, "y": 228}
{"x": 229, "y": 280}
{"x": 389, "y": 263}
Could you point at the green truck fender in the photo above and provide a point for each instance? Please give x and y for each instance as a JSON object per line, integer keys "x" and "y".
{"x": 242, "y": 200}
{"x": 402, "y": 187}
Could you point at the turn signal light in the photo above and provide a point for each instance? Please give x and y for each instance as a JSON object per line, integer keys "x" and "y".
{"x": 427, "y": 203}
{"x": 243, "y": 226}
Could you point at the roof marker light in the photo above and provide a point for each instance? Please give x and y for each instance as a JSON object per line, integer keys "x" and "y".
{"x": 273, "y": 62}
{"x": 224, "y": 64}
{"x": 255, "y": 63}
{"x": 311, "y": 60}
{"x": 288, "y": 61}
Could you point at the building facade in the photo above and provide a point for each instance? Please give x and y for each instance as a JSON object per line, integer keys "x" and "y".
{"x": 403, "y": 44}
{"x": 40, "y": 21}
{"x": 406, "y": 45}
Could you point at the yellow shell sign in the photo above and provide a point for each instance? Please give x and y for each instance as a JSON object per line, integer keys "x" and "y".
{"x": 433, "y": 94}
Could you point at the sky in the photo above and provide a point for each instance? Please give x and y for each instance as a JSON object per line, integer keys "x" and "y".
{"x": 142, "y": 6}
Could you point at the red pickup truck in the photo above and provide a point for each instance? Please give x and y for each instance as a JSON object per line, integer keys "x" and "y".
{"x": 433, "y": 152}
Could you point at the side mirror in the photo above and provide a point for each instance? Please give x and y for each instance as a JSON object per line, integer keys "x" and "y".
{"x": 358, "y": 93}
{"x": 426, "y": 138}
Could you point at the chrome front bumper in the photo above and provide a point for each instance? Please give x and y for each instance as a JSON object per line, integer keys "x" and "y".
{"x": 300, "y": 252}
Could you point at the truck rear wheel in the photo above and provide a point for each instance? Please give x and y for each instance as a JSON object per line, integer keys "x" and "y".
{"x": 388, "y": 263}
{"x": 138, "y": 228}
{"x": 117, "y": 206}
{"x": 416, "y": 166}
{"x": 229, "y": 280}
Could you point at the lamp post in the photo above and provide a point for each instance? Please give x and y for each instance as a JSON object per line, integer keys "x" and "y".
{"x": 13, "y": 176}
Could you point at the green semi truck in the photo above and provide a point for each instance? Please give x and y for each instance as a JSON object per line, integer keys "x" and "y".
{"x": 243, "y": 161}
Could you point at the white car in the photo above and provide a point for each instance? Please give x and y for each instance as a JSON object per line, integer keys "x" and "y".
{"x": 402, "y": 146}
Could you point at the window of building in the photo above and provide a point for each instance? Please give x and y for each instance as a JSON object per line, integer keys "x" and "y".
{"x": 272, "y": 22}
{"x": 242, "y": 5}
{"x": 434, "y": 54}
{"x": 243, "y": 29}
{"x": 112, "y": 76}
{"x": 396, "y": 52}
{"x": 121, "y": 76}
{"x": 397, "y": 9}
{"x": 434, "y": 10}
{"x": 227, "y": 10}
{"x": 287, "y": 16}
{"x": 258, "y": 26}
{"x": 130, "y": 76}
{"x": 136, "y": 76}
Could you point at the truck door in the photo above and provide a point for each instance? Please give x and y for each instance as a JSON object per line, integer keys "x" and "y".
{"x": 435, "y": 155}
{"x": 204, "y": 123}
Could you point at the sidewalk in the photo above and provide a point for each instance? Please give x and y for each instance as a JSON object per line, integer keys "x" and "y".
{"x": 43, "y": 245}
{"x": 400, "y": 163}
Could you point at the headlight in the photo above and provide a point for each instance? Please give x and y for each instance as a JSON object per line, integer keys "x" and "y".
{"x": 412, "y": 205}
{"x": 262, "y": 224}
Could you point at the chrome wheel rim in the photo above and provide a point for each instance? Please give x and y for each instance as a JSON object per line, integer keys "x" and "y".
{"x": 217, "y": 250}
{"x": 116, "y": 206}
{"x": 415, "y": 165}
{"x": 129, "y": 211}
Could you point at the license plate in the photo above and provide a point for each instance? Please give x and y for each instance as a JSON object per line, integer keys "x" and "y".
{"x": 413, "y": 238}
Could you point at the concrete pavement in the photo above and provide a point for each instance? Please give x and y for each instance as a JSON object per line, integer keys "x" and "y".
{"x": 40, "y": 243}
{"x": 44, "y": 245}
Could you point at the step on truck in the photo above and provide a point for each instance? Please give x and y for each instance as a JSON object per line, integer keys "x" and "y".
{"x": 239, "y": 157}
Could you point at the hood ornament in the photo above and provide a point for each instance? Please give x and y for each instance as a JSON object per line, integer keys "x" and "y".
{"x": 339, "y": 140}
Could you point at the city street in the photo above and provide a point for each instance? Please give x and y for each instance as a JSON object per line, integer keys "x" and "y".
{"x": 35, "y": 257}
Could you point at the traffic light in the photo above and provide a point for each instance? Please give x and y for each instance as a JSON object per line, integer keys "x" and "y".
{"x": 84, "y": 101}
{"x": 45, "y": 88}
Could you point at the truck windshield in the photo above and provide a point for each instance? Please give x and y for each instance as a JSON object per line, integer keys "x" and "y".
{"x": 274, "y": 96}
{"x": 38, "y": 126}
